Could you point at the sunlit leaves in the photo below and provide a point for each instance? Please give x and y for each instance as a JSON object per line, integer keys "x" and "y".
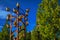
{"x": 49, "y": 16}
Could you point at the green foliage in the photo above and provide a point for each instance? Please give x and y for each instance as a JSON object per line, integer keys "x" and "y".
{"x": 48, "y": 17}
{"x": 28, "y": 36}
{"x": 35, "y": 34}
{"x": 1, "y": 35}
{"x": 4, "y": 35}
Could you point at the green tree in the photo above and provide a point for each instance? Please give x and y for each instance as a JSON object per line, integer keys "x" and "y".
{"x": 48, "y": 19}
{"x": 4, "y": 35}
{"x": 28, "y": 34}
{"x": 35, "y": 34}
{"x": 1, "y": 35}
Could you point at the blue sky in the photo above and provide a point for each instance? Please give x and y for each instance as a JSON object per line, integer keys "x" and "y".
{"x": 31, "y": 4}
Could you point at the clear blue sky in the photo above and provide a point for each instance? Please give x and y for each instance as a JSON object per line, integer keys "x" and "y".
{"x": 31, "y": 4}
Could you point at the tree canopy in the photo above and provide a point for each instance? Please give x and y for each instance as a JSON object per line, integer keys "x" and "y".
{"x": 48, "y": 19}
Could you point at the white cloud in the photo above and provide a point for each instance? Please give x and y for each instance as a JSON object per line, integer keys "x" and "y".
{"x": 3, "y": 14}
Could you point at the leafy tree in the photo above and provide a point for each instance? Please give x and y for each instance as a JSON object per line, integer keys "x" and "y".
{"x": 35, "y": 34}
{"x": 4, "y": 35}
{"x": 1, "y": 35}
{"x": 28, "y": 36}
{"x": 48, "y": 19}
